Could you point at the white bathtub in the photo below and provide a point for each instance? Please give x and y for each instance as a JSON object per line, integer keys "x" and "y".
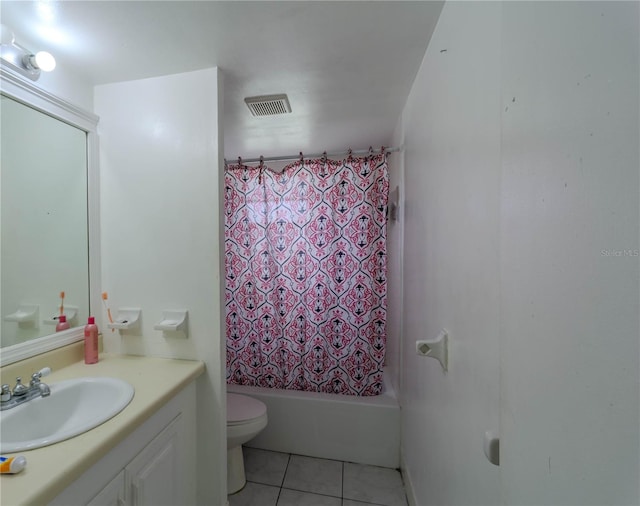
{"x": 365, "y": 430}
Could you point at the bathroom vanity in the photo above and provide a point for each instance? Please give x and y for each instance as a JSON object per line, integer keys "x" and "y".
{"x": 143, "y": 455}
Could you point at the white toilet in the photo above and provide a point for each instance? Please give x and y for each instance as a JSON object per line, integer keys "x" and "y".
{"x": 246, "y": 417}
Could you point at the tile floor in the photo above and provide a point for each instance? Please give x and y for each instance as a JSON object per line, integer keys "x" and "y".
{"x": 281, "y": 479}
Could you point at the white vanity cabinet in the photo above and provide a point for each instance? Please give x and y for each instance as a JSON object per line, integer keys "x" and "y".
{"x": 153, "y": 466}
{"x": 114, "y": 494}
{"x": 150, "y": 477}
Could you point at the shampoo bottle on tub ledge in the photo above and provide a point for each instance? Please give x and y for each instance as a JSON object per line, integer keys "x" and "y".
{"x": 91, "y": 341}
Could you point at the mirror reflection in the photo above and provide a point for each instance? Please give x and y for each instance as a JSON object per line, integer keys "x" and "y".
{"x": 43, "y": 229}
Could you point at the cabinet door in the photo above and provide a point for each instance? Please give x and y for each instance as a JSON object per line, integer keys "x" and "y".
{"x": 155, "y": 475}
{"x": 111, "y": 495}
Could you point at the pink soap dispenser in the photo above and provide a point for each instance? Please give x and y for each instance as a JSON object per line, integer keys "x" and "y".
{"x": 63, "y": 324}
{"x": 91, "y": 341}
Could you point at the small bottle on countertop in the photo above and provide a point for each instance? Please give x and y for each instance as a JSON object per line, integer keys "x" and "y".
{"x": 12, "y": 465}
{"x": 63, "y": 324}
{"x": 91, "y": 341}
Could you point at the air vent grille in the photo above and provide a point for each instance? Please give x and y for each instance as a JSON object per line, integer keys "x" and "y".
{"x": 268, "y": 105}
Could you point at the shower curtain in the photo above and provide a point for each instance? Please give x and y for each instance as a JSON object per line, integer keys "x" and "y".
{"x": 305, "y": 254}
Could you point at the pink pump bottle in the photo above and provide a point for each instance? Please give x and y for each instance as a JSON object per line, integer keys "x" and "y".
{"x": 91, "y": 341}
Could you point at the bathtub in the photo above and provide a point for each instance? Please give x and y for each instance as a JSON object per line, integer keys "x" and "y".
{"x": 365, "y": 430}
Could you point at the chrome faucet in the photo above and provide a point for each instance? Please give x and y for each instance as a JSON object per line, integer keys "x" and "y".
{"x": 22, "y": 393}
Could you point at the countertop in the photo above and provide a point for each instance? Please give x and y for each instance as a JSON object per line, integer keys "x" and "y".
{"x": 52, "y": 468}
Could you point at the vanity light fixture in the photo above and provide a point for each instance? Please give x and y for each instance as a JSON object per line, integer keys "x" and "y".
{"x": 41, "y": 60}
{"x": 22, "y": 60}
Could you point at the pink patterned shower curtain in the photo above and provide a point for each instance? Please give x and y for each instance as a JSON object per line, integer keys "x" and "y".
{"x": 306, "y": 275}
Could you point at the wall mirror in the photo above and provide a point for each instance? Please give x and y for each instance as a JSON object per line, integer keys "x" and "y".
{"x": 48, "y": 220}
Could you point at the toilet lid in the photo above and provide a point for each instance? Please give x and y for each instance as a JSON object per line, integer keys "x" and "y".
{"x": 241, "y": 408}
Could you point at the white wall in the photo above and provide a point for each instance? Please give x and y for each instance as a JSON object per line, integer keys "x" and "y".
{"x": 161, "y": 233}
{"x": 68, "y": 85}
{"x": 521, "y": 173}
{"x": 452, "y": 183}
{"x": 569, "y": 326}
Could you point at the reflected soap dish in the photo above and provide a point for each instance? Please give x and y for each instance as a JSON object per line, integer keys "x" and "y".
{"x": 27, "y": 314}
{"x": 71, "y": 312}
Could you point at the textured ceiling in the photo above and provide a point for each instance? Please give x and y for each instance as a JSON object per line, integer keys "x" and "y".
{"x": 346, "y": 66}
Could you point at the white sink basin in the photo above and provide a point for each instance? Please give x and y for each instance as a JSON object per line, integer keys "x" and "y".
{"x": 74, "y": 407}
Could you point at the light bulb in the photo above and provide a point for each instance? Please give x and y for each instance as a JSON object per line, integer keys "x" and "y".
{"x": 44, "y": 61}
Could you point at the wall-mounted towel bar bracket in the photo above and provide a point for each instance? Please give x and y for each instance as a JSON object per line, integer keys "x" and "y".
{"x": 437, "y": 348}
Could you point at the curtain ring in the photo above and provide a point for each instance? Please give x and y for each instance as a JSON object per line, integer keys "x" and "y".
{"x": 260, "y": 168}
{"x": 370, "y": 150}
{"x": 240, "y": 162}
{"x": 301, "y": 158}
{"x": 323, "y": 173}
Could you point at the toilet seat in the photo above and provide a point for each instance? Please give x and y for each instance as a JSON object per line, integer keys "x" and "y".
{"x": 242, "y": 409}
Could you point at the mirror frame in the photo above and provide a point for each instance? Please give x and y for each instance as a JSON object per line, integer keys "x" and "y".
{"x": 22, "y": 90}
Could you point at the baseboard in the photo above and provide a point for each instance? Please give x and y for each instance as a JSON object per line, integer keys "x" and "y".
{"x": 408, "y": 484}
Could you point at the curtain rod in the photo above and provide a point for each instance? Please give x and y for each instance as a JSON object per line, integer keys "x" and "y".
{"x": 314, "y": 155}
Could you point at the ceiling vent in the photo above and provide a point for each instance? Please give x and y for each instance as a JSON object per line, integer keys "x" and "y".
{"x": 268, "y": 105}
